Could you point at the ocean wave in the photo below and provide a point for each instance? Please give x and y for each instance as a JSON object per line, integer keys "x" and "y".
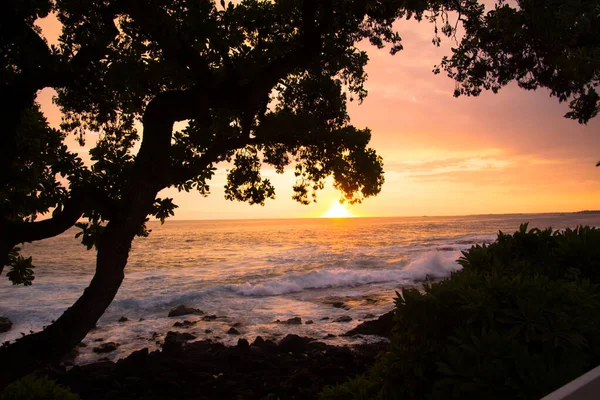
{"x": 432, "y": 264}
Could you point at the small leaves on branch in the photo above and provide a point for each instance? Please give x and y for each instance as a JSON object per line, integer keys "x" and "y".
{"x": 163, "y": 209}
{"x": 20, "y": 268}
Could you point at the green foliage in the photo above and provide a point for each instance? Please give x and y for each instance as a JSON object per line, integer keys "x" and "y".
{"x": 506, "y": 326}
{"x": 553, "y": 44}
{"x": 33, "y": 180}
{"x": 557, "y": 254}
{"x": 163, "y": 209}
{"x": 359, "y": 388}
{"x": 20, "y": 268}
{"x": 31, "y": 387}
{"x": 36, "y": 181}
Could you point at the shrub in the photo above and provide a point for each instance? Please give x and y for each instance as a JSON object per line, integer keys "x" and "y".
{"x": 567, "y": 254}
{"x": 521, "y": 319}
{"x": 33, "y": 388}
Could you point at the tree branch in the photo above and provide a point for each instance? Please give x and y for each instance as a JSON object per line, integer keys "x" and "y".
{"x": 15, "y": 233}
{"x": 161, "y": 28}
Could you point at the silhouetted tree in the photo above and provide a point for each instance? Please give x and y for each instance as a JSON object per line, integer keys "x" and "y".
{"x": 553, "y": 44}
{"x": 258, "y": 82}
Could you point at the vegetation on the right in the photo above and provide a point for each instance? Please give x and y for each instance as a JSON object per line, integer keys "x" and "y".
{"x": 521, "y": 319}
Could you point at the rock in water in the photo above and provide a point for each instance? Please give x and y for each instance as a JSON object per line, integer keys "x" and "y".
{"x": 174, "y": 341}
{"x": 184, "y": 310}
{"x": 184, "y": 324}
{"x": 178, "y": 337}
{"x": 294, "y": 344}
{"x": 233, "y": 331}
{"x": 5, "y": 324}
{"x": 123, "y": 319}
{"x": 343, "y": 318}
{"x": 382, "y": 326}
{"x": 294, "y": 321}
{"x": 106, "y": 347}
{"x": 340, "y": 304}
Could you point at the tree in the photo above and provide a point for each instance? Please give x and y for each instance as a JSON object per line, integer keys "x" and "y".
{"x": 553, "y": 44}
{"x": 260, "y": 82}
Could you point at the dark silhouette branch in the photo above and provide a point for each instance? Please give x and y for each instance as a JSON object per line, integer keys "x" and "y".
{"x": 161, "y": 28}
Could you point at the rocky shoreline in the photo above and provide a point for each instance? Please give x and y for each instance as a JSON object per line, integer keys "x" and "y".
{"x": 294, "y": 368}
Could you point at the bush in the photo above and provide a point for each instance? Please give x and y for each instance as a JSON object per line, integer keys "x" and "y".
{"x": 34, "y": 388}
{"x": 520, "y": 320}
{"x": 567, "y": 254}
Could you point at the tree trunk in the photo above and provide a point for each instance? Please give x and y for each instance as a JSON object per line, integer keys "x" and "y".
{"x": 50, "y": 345}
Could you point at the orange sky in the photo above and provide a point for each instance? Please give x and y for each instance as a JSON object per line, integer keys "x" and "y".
{"x": 507, "y": 153}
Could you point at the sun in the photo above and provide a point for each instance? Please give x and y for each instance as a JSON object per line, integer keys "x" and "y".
{"x": 337, "y": 210}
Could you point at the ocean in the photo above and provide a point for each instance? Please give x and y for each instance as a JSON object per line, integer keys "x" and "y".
{"x": 251, "y": 273}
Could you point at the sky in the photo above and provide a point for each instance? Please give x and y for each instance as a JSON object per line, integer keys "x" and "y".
{"x": 511, "y": 152}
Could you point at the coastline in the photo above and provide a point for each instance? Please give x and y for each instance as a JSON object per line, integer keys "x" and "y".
{"x": 295, "y": 367}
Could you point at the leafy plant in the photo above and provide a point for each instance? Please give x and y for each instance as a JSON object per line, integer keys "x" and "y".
{"x": 31, "y": 387}
{"x": 521, "y": 319}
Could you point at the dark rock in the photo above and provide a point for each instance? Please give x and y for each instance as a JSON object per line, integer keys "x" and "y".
{"x": 258, "y": 342}
{"x": 243, "y": 344}
{"x": 106, "y": 347}
{"x": 208, "y": 331}
{"x": 175, "y": 341}
{"x": 237, "y": 325}
{"x": 123, "y": 319}
{"x": 382, "y": 326}
{"x": 99, "y": 340}
{"x": 209, "y": 318}
{"x": 184, "y": 324}
{"x": 369, "y": 316}
{"x": 329, "y": 336}
{"x": 309, "y": 322}
{"x": 293, "y": 321}
{"x": 324, "y": 318}
{"x": 179, "y": 336}
{"x": 294, "y": 344}
{"x": 184, "y": 310}
{"x": 233, "y": 331}
{"x": 141, "y": 319}
{"x": 206, "y": 370}
{"x": 269, "y": 344}
{"x": 340, "y": 304}
{"x": 81, "y": 344}
{"x": 135, "y": 361}
{"x": 317, "y": 346}
{"x": 343, "y": 318}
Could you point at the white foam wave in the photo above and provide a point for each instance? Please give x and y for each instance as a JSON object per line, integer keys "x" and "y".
{"x": 432, "y": 264}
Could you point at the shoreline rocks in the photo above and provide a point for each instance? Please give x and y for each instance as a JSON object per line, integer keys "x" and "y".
{"x": 106, "y": 347}
{"x": 295, "y": 368}
{"x": 381, "y": 326}
{"x": 184, "y": 310}
{"x": 5, "y": 324}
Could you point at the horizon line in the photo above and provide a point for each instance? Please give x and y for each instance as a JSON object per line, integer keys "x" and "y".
{"x": 377, "y": 217}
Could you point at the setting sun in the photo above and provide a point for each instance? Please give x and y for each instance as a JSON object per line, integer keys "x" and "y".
{"x": 337, "y": 210}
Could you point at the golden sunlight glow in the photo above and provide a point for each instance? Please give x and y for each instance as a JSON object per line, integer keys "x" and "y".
{"x": 337, "y": 210}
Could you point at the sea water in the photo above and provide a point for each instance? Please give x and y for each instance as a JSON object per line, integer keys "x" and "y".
{"x": 251, "y": 273}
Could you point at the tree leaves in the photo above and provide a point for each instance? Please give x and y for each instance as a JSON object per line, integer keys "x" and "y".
{"x": 20, "y": 268}
{"x": 552, "y": 44}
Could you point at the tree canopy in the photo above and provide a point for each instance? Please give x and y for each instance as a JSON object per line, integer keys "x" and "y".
{"x": 259, "y": 82}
